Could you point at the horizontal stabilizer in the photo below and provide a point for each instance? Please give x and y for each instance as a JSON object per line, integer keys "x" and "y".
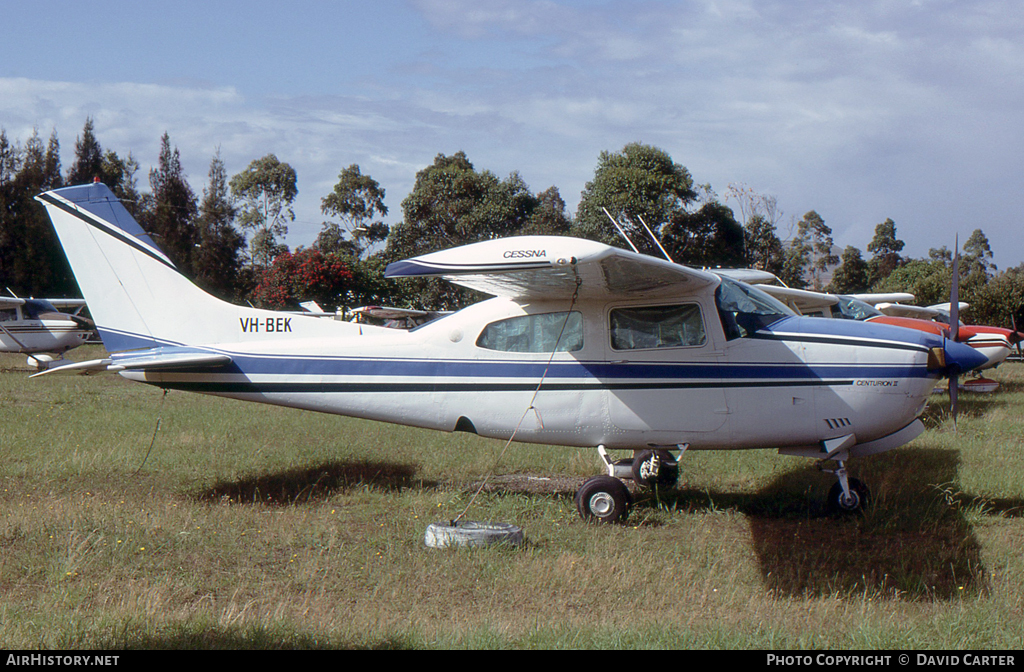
{"x": 169, "y": 358}
{"x": 146, "y": 360}
{"x": 91, "y": 366}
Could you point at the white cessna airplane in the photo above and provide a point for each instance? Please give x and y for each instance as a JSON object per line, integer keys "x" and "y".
{"x": 582, "y": 345}
{"x": 36, "y": 326}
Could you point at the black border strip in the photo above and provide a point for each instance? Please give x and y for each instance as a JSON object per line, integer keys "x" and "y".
{"x": 365, "y": 388}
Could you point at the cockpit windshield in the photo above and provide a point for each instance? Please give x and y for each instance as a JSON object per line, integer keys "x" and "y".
{"x": 850, "y": 308}
{"x": 38, "y": 309}
{"x": 744, "y": 309}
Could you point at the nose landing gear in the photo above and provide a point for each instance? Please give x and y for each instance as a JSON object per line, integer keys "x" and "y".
{"x": 849, "y": 495}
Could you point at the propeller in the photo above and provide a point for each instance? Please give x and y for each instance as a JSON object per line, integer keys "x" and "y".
{"x": 954, "y": 328}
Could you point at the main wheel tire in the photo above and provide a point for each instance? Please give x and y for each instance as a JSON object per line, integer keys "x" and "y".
{"x": 667, "y": 472}
{"x": 858, "y": 499}
{"x": 603, "y": 499}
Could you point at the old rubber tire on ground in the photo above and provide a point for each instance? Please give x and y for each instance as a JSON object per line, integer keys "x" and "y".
{"x": 603, "y": 499}
{"x": 668, "y": 469}
{"x": 472, "y": 534}
{"x": 859, "y": 496}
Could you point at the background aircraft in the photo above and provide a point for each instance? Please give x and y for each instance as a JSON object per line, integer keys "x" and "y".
{"x": 995, "y": 343}
{"x": 35, "y": 326}
{"x": 583, "y": 345}
{"x": 974, "y": 333}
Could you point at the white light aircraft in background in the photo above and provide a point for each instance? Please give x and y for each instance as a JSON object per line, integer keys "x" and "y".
{"x": 583, "y": 345}
{"x": 35, "y": 326}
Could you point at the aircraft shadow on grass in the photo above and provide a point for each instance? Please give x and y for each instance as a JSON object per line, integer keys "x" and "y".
{"x": 305, "y": 485}
{"x": 914, "y": 540}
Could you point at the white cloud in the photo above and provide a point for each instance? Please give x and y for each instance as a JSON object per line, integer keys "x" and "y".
{"x": 859, "y": 110}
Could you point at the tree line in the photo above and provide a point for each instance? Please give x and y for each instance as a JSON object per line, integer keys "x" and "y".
{"x": 228, "y": 239}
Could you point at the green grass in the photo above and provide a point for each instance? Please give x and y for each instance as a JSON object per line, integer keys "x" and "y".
{"x": 250, "y": 526}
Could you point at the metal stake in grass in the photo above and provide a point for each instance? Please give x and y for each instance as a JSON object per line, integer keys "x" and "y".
{"x": 155, "y": 430}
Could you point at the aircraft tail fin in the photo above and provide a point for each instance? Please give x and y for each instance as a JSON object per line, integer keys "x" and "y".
{"x": 136, "y": 295}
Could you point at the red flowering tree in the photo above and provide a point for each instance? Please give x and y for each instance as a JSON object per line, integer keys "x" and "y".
{"x": 307, "y": 274}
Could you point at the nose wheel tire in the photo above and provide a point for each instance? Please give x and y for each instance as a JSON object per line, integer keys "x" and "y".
{"x": 838, "y": 502}
{"x": 603, "y": 499}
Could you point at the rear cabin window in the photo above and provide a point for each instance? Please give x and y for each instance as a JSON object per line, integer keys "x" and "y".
{"x": 646, "y": 327}
{"x": 535, "y": 333}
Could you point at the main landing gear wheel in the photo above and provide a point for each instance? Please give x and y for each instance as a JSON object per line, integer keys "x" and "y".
{"x": 655, "y": 468}
{"x": 838, "y": 502}
{"x": 603, "y": 499}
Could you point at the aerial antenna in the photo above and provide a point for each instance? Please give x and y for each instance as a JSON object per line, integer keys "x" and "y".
{"x": 621, "y": 232}
{"x": 654, "y": 238}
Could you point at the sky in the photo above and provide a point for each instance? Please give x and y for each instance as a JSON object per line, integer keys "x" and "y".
{"x": 860, "y": 110}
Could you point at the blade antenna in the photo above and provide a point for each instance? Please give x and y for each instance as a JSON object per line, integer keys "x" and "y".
{"x": 654, "y": 238}
{"x": 621, "y": 232}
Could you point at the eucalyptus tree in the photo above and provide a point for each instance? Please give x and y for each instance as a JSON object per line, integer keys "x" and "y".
{"x": 885, "y": 250}
{"x": 356, "y": 199}
{"x": 266, "y": 190}
{"x": 852, "y": 274}
{"x": 636, "y": 185}
{"x": 453, "y": 204}
{"x": 764, "y": 250}
{"x": 817, "y": 242}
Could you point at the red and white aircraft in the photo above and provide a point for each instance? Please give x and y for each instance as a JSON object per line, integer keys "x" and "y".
{"x": 995, "y": 343}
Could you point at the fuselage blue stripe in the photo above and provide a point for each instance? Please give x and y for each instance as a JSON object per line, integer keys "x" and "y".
{"x": 382, "y": 369}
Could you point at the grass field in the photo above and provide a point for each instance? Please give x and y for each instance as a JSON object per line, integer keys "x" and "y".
{"x": 249, "y": 526}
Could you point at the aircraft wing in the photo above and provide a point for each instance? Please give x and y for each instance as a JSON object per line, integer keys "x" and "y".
{"x": 147, "y": 360}
{"x": 751, "y": 276}
{"x": 66, "y": 303}
{"x": 892, "y": 297}
{"x": 905, "y": 310}
{"x": 802, "y": 300}
{"x": 534, "y": 267}
{"x": 10, "y": 301}
{"x": 948, "y": 307}
{"x": 388, "y": 313}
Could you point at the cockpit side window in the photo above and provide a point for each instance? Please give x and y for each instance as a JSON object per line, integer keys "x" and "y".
{"x": 545, "y": 332}
{"x": 745, "y": 309}
{"x": 8, "y": 314}
{"x": 644, "y": 327}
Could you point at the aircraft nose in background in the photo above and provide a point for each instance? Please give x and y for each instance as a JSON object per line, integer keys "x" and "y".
{"x": 961, "y": 358}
